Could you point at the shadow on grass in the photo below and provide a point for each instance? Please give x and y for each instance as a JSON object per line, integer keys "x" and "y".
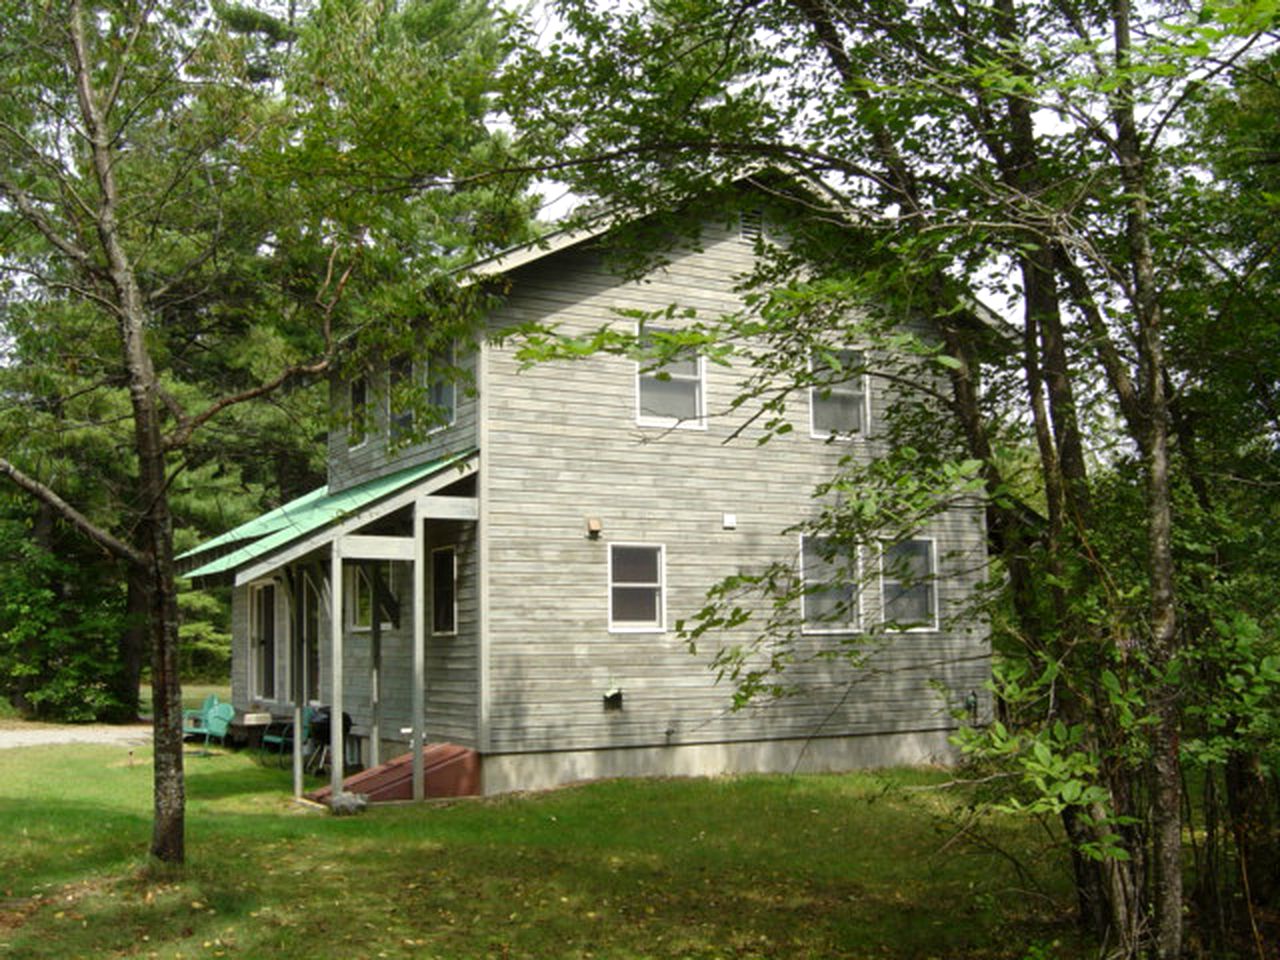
{"x": 759, "y": 867}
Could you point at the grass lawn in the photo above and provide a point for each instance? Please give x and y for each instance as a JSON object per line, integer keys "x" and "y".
{"x": 787, "y": 867}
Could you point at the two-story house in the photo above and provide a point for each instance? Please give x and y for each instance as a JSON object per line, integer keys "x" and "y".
{"x": 511, "y": 583}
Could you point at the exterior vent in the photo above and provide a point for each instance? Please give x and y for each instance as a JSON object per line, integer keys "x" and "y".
{"x": 751, "y": 224}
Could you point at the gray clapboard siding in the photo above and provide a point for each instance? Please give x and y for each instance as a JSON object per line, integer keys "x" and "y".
{"x": 562, "y": 445}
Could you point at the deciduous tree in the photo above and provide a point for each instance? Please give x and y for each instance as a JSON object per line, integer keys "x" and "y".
{"x": 1037, "y": 154}
{"x": 220, "y": 209}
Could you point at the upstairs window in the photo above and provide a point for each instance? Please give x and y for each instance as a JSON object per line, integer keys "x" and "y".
{"x": 399, "y": 397}
{"x": 838, "y": 397}
{"x": 670, "y": 395}
{"x": 358, "y": 411}
{"x": 441, "y": 389}
{"x": 829, "y": 603}
{"x": 636, "y": 588}
{"x": 908, "y": 584}
{"x": 262, "y": 640}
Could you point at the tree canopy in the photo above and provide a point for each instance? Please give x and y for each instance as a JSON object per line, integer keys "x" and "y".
{"x": 1090, "y": 170}
{"x": 199, "y": 203}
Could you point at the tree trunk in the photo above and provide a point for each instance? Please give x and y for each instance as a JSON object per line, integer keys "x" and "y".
{"x": 155, "y": 528}
{"x": 133, "y": 649}
{"x": 1164, "y": 694}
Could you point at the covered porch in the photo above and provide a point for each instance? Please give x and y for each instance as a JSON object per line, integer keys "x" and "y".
{"x": 336, "y": 598}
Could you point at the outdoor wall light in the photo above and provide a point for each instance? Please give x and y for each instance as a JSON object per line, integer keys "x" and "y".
{"x": 613, "y": 700}
{"x": 594, "y": 527}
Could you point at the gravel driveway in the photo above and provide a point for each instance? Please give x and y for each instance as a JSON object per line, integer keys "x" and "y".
{"x": 18, "y": 734}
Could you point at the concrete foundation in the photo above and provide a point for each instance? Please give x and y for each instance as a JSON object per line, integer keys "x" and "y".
{"x": 504, "y": 773}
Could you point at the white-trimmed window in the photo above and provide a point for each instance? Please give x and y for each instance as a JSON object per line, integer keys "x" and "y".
{"x": 262, "y": 641}
{"x": 400, "y": 385}
{"x": 829, "y": 603}
{"x": 444, "y": 591}
{"x": 441, "y": 389}
{"x": 636, "y": 588}
{"x": 670, "y": 395}
{"x": 909, "y": 584}
{"x": 310, "y": 640}
{"x": 358, "y": 412}
{"x": 362, "y": 593}
{"x": 838, "y": 397}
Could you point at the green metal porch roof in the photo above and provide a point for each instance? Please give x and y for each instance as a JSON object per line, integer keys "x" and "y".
{"x": 303, "y": 516}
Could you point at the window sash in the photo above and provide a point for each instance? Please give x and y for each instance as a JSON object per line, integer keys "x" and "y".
{"x": 636, "y": 588}
{"x": 838, "y": 409}
{"x": 908, "y": 584}
{"x": 444, "y": 593}
{"x": 358, "y": 413}
{"x": 262, "y": 633}
{"x": 441, "y": 390}
{"x": 400, "y": 415}
{"x": 671, "y": 394}
{"x": 363, "y": 602}
{"x": 311, "y": 641}
{"x": 827, "y": 606}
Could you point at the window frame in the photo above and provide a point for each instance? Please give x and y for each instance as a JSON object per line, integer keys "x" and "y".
{"x": 452, "y": 629}
{"x": 258, "y": 643}
{"x": 645, "y": 373}
{"x": 400, "y": 422}
{"x": 659, "y": 624}
{"x": 830, "y": 627}
{"x": 358, "y": 573}
{"x": 312, "y": 601}
{"x": 932, "y": 580}
{"x": 863, "y": 392}
{"x": 358, "y": 413}
{"x": 446, "y": 356}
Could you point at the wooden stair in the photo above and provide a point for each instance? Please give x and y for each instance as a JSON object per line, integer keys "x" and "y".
{"x": 451, "y": 771}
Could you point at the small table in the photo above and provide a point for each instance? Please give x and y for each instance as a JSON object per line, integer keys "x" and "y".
{"x": 253, "y": 725}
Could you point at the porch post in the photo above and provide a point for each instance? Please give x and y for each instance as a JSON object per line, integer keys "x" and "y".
{"x": 337, "y": 746}
{"x": 297, "y": 668}
{"x": 375, "y": 669}
{"x": 419, "y": 649}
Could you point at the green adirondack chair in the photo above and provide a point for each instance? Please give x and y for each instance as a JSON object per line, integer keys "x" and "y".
{"x": 216, "y": 724}
{"x": 279, "y": 736}
{"x": 195, "y": 722}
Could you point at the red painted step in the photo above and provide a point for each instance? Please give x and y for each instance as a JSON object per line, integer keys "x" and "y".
{"x": 451, "y": 771}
